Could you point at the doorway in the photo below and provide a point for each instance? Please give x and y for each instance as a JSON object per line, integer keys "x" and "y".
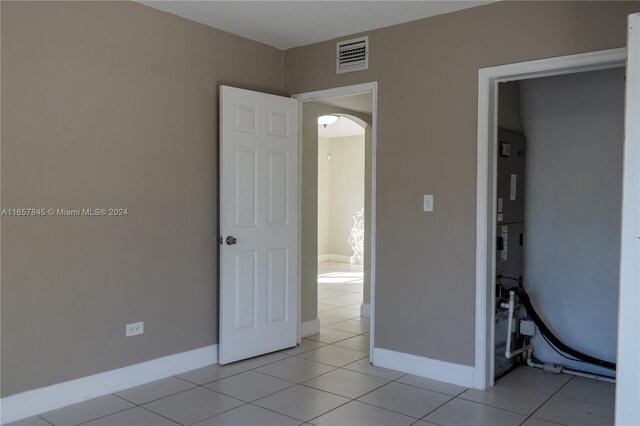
{"x": 487, "y": 198}
{"x": 560, "y": 141}
{"x": 341, "y": 223}
{"x": 337, "y": 257}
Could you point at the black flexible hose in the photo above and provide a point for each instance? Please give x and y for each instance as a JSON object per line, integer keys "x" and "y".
{"x": 526, "y": 302}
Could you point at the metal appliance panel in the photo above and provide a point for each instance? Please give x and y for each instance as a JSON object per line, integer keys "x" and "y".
{"x": 510, "y": 182}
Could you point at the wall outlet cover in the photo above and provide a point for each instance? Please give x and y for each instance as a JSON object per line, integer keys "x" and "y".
{"x": 134, "y": 329}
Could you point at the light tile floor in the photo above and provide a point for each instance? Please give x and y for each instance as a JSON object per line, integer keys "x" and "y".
{"x": 328, "y": 381}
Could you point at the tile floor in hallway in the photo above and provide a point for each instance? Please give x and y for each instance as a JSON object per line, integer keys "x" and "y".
{"x": 340, "y": 289}
{"x": 327, "y": 380}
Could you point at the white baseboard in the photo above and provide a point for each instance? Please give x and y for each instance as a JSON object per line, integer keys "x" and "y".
{"x": 310, "y": 327}
{"x": 365, "y": 310}
{"x": 430, "y": 368}
{"x": 338, "y": 258}
{"x": 30, "y": 403}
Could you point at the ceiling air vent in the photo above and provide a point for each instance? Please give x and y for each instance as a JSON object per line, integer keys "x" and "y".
{"x": 352, "y": 55}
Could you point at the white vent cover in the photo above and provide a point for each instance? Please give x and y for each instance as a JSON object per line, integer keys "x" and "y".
{"x": 352, "y": 55}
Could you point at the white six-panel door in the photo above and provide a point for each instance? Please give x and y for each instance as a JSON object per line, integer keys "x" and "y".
{"x": 258, "y": 223}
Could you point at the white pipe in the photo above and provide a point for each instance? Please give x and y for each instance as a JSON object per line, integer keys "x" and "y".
{"x": 511, "y": 305}
{"x": 532, "y": 364}
{"x": 589, "y": 376}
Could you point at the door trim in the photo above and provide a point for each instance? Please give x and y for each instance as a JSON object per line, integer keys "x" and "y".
{"x": 628, "y": 386}
{"x": 356, "y": 89}
{"x": 488, "y": 79}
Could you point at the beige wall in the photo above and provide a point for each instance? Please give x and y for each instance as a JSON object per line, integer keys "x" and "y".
{"x": 574, "y": 126}
{"x": 427, "y": 75}
{"x": 345, "y": 196}
{"x": 347, "y": 189}
{"x": 368, "y": 194}
{"x": 324, "y": 196}
{"x": 111, "y": 104}
{"x": 509, "y": 116}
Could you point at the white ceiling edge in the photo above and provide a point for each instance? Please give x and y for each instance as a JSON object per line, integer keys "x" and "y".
{"x": 343, "y": 127}
{"x": 293, "y": 23}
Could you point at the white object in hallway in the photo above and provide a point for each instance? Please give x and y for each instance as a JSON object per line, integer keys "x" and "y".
{"x": 356, "y": 238}
{"x": 258, "y": 223}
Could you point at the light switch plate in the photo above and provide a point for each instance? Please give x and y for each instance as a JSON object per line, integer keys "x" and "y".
{"x": 428, "y": 203}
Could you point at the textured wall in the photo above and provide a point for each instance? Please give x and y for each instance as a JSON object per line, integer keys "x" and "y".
{"x": 345, "y": 177}
{"x": 427, "y": 73}
{"x": 111, "y": 104}
{"x": 324, "y": 196}
{"x": 574, "y": 126}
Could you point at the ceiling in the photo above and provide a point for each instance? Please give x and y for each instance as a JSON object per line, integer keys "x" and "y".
{"x": 341, "y": 128}
{"x": 287, "y": 24}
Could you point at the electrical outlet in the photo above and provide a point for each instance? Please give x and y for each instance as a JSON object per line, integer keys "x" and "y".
{"x": 134, "y": 329}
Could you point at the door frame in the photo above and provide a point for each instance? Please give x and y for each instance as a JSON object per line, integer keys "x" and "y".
{"x": 486, "y": 169}
{"x": 628, "y": 384}
{"x": 356, "y": 89}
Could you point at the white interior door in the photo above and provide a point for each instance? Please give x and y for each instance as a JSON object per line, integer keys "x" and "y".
{"x": 628, "y": 365}
{"x": 258, "y": 223}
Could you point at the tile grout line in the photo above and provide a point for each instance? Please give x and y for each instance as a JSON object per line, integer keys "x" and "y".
{"x": 107, "y": 415}
{"x": 548, "y": 399}
{"x": 162, "y": 397}
{"x": 342, "y": 396}
{"x": 291, "y": 384}
{"x": 388, "y": 409}
{"x": 327, "y": 412}
{"x": 591, "y": 403}
{"x": 157, "y": 414}
{"x": 47, "y": 421}
{"x": 337, "y": 394}
{"x": 492, "y": 406}
{"x": 273, "y": 411}
{"x": 198, "y": 386}
{"x": 431, "y": 390}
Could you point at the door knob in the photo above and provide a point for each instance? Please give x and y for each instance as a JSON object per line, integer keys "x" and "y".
{"x": 231, "y": 240}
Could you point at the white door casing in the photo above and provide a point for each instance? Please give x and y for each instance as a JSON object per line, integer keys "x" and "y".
{"x": 488, "y": 80}
{"x": 355, "y": 89}
{"x": 258, "y": 223}
{"x": 628, "y": 371}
